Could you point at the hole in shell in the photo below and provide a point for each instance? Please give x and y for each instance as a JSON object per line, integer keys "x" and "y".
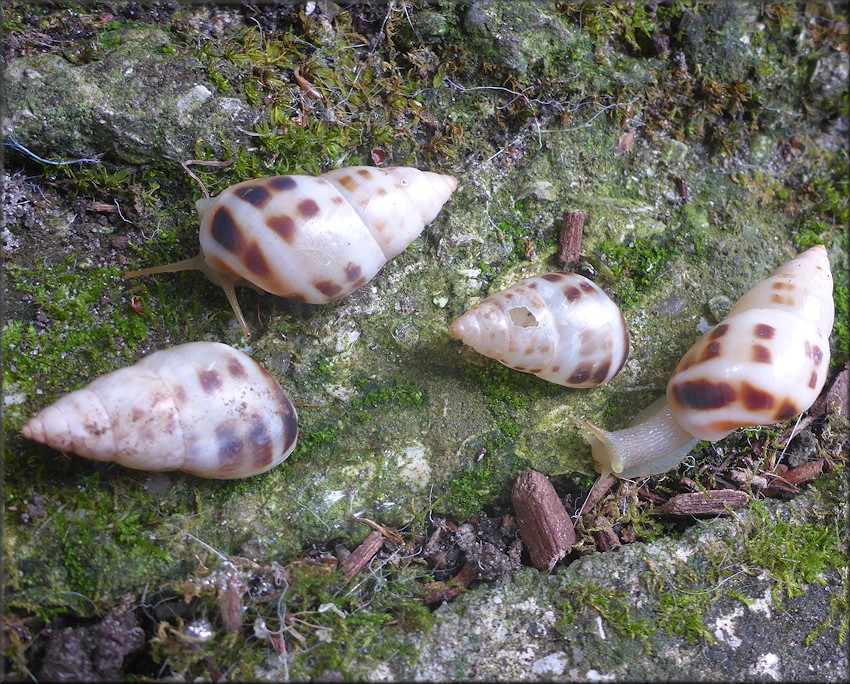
{"x": 522, "y": 317}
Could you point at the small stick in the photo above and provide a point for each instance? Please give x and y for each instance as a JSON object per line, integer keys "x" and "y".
{"x": 389, "y": 534}
{"x": 362, "y": 555}
{"x": 546, "y": 527}
{"x": 204, "y": 162}
{"x": 571, "y": 235}
{"x": 715, "y": 502}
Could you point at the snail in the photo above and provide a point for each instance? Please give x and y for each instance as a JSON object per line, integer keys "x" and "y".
{"x": 203, "y": 408}
{"x": 765, "y": 363}
{"x": 559, "y": 326}
{"x": 311, "y": 238}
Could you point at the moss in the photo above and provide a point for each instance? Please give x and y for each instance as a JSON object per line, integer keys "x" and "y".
{"x": 795, "y": 554}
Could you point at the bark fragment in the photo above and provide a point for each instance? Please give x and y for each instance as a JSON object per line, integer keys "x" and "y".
{"x": 362, "y": 555}
{"x": 546, "y": 528}
{"x": 700, "y": 504}
{"x": 571, "y": 234}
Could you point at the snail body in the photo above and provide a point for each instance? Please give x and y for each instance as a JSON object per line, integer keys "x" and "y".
{"x": 765, "y": 363}
{"x": 203, "y": 408}
{"x": 315, "y": 239}
{"x": 559, "y": 326}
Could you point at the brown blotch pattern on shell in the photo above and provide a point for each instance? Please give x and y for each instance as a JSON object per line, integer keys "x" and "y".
{"x": 719, "y": 331}
{"x": 817, "y": 355}
{"x": 282, "y": 182}
{"x": 580, "y": 375}
{"x": 348, "y": 182}
{"x": 572, "y": 293}
{"x": 283, "y": 225}
{"x": 703, "y": 394}
{"x": 787, "y": 410}
{"x": 256, "y": 195}
{"x": 180, "y": 394}
{"x": 308, "y": 208}
{"x": 601, "y": 373}
{"x": 352, "y": 271}
{"x": 225, "y": 230}
{"x": 261, "y": 442}
{"x": 364, "y": 173}
{"x": 236, "y": 369}
{"x": 755, "y": 399}
{"x": 712, "y": 349}
{"x": 552, "y": 277}
{"x": 587, "y": 287}
{"x": 327, "y": 287}
{"x": 256, "y": 262}
{"x": 230, "y": 448}
{"x": 813, "y": 381}
{"x": 780, "y": 299}
{"x": 760, "y": 354}
{"x": 210, "y": 381}
{"x": 764, "y": 331}
{"x": 782, "y": 286}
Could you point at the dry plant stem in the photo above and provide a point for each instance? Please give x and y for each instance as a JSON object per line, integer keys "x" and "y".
{"x": 362, "y": 555}
{"x": 571, "y": 235}
{"x": 389, "y": 534}
{"x": 203, "y": 162}
{"x": 715, "y": 502}
{"x": 546, "y": 528}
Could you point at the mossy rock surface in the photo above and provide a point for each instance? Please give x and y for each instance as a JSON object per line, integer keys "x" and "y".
{"x": 700, "y": 168}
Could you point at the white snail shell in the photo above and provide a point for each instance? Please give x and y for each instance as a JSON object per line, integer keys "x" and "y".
{"x": 312, "y": 238}
{"x": 765, "y": 363}
{"x": 559, "y": 326}
{"x": 203, "y": 408}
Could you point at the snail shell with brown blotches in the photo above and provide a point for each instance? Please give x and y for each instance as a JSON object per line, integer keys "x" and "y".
{"x": 765, "y": 363}
{"x": 559, "y": 326}
{"x": 203, "y": 408}
{"x": 315, "y": 239}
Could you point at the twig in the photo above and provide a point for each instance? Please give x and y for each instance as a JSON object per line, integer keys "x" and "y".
{"x": 389, "y": 534}
{"x": 204, "y": 162}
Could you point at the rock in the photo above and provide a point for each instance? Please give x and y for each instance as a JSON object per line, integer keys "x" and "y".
{"x": 141, "y": 101}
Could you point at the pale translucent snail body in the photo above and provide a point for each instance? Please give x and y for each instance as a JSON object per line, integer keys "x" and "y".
{"x": 315, "y": 239}
{"x": 559, "y": 326}
{"x": 765, "y": 363}
{"x": 204, "y": 408}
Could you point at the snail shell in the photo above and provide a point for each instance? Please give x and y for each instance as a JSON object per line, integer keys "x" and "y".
{"x": 203, "y": 408}
{"x": 765, "y": 363}
{"x": 315, "y": 239}
{"x": 559, "y": 326}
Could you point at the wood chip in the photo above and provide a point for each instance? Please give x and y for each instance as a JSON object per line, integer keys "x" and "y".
{"x": 362, "y": 555}
{"x": 437, "y": 592}
{"x": 546, "y": 528}
{"x": 700, "y": 504}
{"x": 606, "y": 539}
{"x": 598, "y": 491}
{"x": 804, "y": 473}
{"x": 571, "y": 235}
